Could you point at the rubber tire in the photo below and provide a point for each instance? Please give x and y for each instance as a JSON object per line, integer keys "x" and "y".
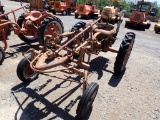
{"x": 64, "y": 12}
{"x": 118, "y": 65}
{"x": 43, "y": 26}
{"x": 81, "y": 108}
{"x": 78, "y": 26}
{"x": 143, "y": 28}
{"x": 20, "y": 68}
{"x": 148, "y": 26}
{"x": 22, "y": 36}
{"x": 8, "y": 31}
{"x": 76, "y": 16}
{"x": 69, "y": 11}
{"x": 2, "y": 52}
{"x": 126, "y": 25}
{"x": 156, "y": 31}
{"x": 88, "y": 17}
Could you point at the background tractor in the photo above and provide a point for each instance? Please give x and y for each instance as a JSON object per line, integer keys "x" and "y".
{"x": 64, "y": 6}
{"x": 157, "y": 27}
{"x": 140, "y": 16}
{"x": 112, "y": 12}
{"x": 87, "y": 10}
{"x": 31, "y": 26}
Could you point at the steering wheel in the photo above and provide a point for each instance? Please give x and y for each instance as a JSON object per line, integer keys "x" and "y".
{"x": 106, "y": 20}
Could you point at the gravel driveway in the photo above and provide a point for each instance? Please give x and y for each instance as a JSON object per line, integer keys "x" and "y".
{"x": 135, "y": 95}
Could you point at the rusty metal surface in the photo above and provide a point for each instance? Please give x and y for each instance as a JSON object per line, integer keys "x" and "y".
{"x": 74, "y": 50}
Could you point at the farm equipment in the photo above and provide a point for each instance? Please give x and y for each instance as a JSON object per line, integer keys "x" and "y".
{"x": 87, "y": 10}
{"x": 70, "y": 53}
{"x": 64, "y": 6}
{"x": 113, "y": 12}
{"x": 157, "y": 27}
{"x": 32, "y": 25}
{"x": 140, "y": 16}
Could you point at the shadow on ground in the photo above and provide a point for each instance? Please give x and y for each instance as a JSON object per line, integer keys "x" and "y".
{"x": 19, "y": 49}
{"x": 99, "y": 65}
{"x": 30, "y": 111}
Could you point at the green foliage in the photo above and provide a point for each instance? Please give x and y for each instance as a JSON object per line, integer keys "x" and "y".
{"x": 125, "y": 5}
{"x": 155, "y": 4}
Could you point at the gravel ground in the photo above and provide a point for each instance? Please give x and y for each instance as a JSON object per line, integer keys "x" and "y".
{"x": 132, "y": 96}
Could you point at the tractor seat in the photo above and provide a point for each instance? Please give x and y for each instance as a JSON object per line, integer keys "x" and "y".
{"x": 34, "y": 15}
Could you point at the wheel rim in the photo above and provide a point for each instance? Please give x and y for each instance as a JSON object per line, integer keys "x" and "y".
{"x": 128, "y": 52}
{"x": 64, "y": 12}
{"x": 53, "y": 29}
{"x": 30, "y": 37}
{"x": 28, "y": 73}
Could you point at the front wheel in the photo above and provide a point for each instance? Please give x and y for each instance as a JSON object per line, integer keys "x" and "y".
{"x": 24, "y": 72}
{"x": 87, "y": 99}
{"x": 50, "y": 26}
{"x": 2, "y": 55}
{"x": 64, "y": 12}
{"x": 124, "y": 53}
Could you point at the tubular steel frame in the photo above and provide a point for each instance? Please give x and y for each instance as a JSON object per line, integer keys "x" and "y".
{"x": 90, "y": 45}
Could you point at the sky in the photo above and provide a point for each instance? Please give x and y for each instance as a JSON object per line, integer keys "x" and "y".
{"x": 155, "y": 0}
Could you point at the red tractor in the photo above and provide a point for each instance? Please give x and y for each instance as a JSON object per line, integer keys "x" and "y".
{"x": 87, "y": 10}
{"x": 140, "y": 16}
{"x": 64, "y": 6}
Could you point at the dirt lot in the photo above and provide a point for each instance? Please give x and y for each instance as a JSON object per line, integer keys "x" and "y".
{"x": 132, "y": 96}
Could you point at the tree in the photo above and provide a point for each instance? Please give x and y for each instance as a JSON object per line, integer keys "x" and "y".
{"x": 126, "y": 6}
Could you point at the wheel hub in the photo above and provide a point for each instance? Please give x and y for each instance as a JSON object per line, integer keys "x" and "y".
{"x": 53, "y": 29}
{"x": 28, "y": 72}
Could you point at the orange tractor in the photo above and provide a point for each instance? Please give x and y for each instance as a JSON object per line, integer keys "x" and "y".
{"x": 31, "y": 26}
{"x": 64, "y": 6}
{"x": 140, "y": 16}
{"x": 87, "y": 10}
{"x": 112, "y": 12}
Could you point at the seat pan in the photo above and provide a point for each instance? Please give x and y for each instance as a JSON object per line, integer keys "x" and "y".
{"x": 34, "y": 15}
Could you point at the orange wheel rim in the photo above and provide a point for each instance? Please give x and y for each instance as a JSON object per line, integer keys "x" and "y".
{"x": 52, "y": 29}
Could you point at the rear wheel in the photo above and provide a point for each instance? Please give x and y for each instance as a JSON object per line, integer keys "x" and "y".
{"x": 126, "y": 25}
{"x": 78, "y": 27}
{"x": 69, "y": 11}
{"x": 50, "y": 26}
{"x": 124, "y": 53}
{"x": 24, "y": 72}
{"x": 88, "y": 16}
{"x": 76, "y": 15}
{"x": 2, "y": 55}
{"x": 26, "y": 38}
{"x": 148, "y": 26}
{"x": 87, "y": 99}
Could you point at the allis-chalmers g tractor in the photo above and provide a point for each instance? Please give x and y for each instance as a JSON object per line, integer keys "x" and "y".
{"x": 113, "y": 12}
{"x": 140, "y": 16}
{"x": 30, "y": 26}
{"x": 87, "y": 10}
{"x": 72, "y": 55}
{"x": 64, "y": 6}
